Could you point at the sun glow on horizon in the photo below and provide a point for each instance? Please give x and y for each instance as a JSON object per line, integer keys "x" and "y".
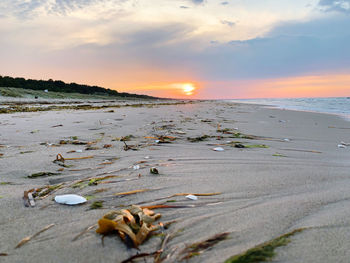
{"x": 188, "y": 89}
{"x": 170, "y": 90}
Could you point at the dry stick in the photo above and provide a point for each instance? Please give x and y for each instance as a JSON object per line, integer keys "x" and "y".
{"x": 83, "y": 232}
{"x": 180, "y": 194}
{"x": 27, "y": 239}
{"x": 156, "y": 253}
{"x": 80, "y": 158}
{"x": 133, "y": 192}
{"x": 165, "y": 241}
{"x": 158, "y": 206}
{"x": 300, "y": 150}
{"x": 141, "y": 255}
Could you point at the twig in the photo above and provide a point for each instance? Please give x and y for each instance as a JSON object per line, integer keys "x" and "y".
{"x": 27, "y": 239}
{"x": 80, "y": 158}
{"x": 132, "y": 192}
{"x": 180, "y": 194}
{"x": 165, "y": 241}
{"x": 301, "y": 150}
{"x": 83, "y": 232}
{"x": 141, "y": 255}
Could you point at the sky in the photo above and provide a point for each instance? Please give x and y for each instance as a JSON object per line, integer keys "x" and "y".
{"x": 201, "y": 49}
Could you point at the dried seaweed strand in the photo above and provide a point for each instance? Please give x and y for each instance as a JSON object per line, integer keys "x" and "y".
{"x": 80, "y": 158}
{"x": 83, "y": 232}
{"x": 141, "y": 255}
{"x": 200, "y": 247}
{"x": 27, "y": 239}
{"x": 157, "y": 259}
{"x": 132, "y": 192}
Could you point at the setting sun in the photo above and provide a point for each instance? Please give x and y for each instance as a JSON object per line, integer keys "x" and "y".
{"x": 188, "y": 89}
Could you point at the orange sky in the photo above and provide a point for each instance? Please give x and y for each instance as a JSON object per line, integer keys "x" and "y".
{"x": 329, "y": 85}
{"x": 182, "y": 49}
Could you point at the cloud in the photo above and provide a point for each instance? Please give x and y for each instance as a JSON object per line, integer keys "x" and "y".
{"x": 66, "y": 6}
{"x": 184, "y": 7}
{"x": 34, "y": 8}
{"x": 227, "y": 22}
{"x": 224, "y": 3}
{"x": 140, "y": 46}
{"x": 198, "y": 2}
{"x": 335, "y": 5}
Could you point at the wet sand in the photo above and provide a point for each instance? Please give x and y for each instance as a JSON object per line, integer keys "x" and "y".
{"x": 301, "y": 180}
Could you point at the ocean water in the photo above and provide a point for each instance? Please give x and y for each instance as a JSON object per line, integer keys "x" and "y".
{"x": 339, "y": 106}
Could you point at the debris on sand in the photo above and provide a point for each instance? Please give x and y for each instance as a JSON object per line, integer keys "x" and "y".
{"x": 70, "y": 199}
{"x": 27, "y": 239}
{"x": 154, "y": 170}
{"x": 133, "y": 225}
{"x": 41, "y": 174}
{"x": 196, "y": 249}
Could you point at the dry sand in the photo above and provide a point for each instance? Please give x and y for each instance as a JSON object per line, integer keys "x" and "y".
{"x": 263, "y": 195}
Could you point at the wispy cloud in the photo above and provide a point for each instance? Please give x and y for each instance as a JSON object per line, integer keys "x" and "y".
{"x": 198, "y": 1}
{"x": 227, "y": 22}
{"x": 335, "y": 5}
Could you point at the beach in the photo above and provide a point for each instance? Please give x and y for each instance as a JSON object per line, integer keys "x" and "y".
{"x": 272, "y": 171}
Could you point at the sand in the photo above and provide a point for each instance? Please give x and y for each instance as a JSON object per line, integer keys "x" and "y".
{"x": 301, "y": 180}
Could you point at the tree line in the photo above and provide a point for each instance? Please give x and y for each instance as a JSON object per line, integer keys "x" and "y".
{"x": 60, "y": 86}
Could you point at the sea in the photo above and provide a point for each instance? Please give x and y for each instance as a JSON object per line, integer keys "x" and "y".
{"x": 339, "y": 105}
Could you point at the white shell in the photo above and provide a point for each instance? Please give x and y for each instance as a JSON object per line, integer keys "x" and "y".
{"x": 136, "y": 167}
{"x": 192, "y": 197}
{"x": 341, "y": 146}
{"x": 79, "y": 151}
{"x": 70, "y": 199}
{"x": 218, "y": 149}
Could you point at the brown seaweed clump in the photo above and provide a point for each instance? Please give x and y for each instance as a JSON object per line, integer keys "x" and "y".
{"x": 133, "y": 224}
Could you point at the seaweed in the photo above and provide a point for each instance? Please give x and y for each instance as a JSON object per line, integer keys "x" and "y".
{"x": 197, "y": 248}
{"x": 45, "y": 191}
{"x": 127, "y": 138}
{"x": 18, "y": 108}
{"x": 41, "y": 174}
{"x": 97, "y": 205}
{"x": 256, "y": 146}
{"x": 265, "y": 251}
{"x": 198, "y": 139}
{"x": 26, "y": 152}
{"x": 241, "y": 145}
{"x": 279, "y": 155}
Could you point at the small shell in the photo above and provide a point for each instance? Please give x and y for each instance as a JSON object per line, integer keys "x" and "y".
{"x": 218, "y": 149}
{"x": 154, "y": 170}
{"x": 70, "y": 199}
{"x": 192, "y": 197}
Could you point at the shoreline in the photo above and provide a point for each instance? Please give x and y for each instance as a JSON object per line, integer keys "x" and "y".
{"x": 299, "y": 180}
{"x": 345, "y": 115}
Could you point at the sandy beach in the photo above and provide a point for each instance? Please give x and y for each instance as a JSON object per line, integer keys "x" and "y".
{"x": 290, "y": 175}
